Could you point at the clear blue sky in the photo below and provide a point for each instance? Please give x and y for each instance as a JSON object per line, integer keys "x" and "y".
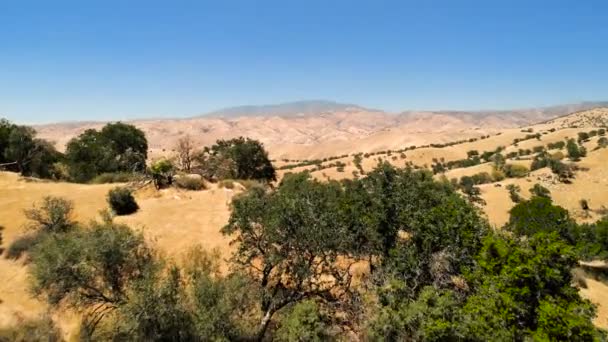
{"x": 83, "y": 60}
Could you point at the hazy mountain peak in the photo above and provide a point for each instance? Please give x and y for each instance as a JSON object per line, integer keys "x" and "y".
{"x": 307, "y": 107}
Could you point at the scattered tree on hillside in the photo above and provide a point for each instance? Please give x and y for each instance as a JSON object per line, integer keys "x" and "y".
{"x": 514, "y": 193}
{"x": 539, "y": 215}
{"x": 575, "y": 152}
{"x": 240, "y": 158}
{"x": 565, "y": 172}
{"x": 118, "y": 147}
{"x": 540, "y": 191}
{"x": 21, "y": 151}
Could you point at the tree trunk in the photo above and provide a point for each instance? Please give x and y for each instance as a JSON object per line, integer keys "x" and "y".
{"x": 264, "y": 325}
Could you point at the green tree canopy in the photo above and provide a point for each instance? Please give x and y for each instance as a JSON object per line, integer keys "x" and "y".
{"x": 240, "y": 158}
{"x": 117, "y": 147}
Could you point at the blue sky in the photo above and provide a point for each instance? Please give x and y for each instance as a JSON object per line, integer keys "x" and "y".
{"x": 110, "y": 60}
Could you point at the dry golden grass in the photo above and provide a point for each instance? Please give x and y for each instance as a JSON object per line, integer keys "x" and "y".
{"x": 172, "y": 220}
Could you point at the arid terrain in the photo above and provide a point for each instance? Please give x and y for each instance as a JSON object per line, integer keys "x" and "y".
{"x": 176, "y": 220}
{"x": 318, "y": 129}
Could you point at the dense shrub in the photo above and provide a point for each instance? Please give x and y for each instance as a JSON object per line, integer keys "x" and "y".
{"x": 556, "y": 145}
{"x": 239, "y": 158}
{"x": 575, "y": 152}
{"x": 121, "y": 201}
{"x": 303, "y": 322}
{"x": 118, "y": 147}
{"x": 22, "y": 152}
{"x": 514, "y": 193}
{"x": 515, "y": 171}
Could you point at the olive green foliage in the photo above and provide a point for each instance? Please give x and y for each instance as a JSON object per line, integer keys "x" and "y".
{"x": 539, "y": 215}
{"x": 303, "y": 322}
{"x": 298, "y": 231}
{"x": 239, "y": 158}
{"x": 21, "y": 151}
{"x": 515, "y": 170}
{"x": 53, "y": 215}
{"x": 118, "y": 147}
{"x": 514, "y": 191}
{"x": 162, "y": 172}
{"x": 436, "y": 269}
{"x": 467, "y": 185}
{"x": 127, "y": 293}
{"x": 602, "y": 142}
{"x": 540, "y": 191}
{"x": 187, "y": 304}
{"x": 592, "y": 240}
{"x": 575, "y": 151}
{"x": 121, "y": 201}
{"x": 517, "y": 289}
{"x": 89, "y": 268}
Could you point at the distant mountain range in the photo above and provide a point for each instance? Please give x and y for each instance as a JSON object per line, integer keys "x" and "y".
{"x": 315, "y": 107}
{"x": 309, "y": 107}
{"x": 311, "y": 129}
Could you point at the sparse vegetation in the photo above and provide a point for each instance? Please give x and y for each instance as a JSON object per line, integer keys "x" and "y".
{"x": 540, "y": 191}
{"x": 116, "y": 177}
{"x": 189, "y": 183}
{"x": 514, "y": 191}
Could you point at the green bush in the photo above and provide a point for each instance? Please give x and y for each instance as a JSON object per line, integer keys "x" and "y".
{"x": 121, "y": 201}
{"x": 540, "y": 191}
{"x": 304, "y": 322}
{"x": 189, "y": 183}
{"x": 53, "y": 215}
{"x": 514, "y": 193}
{"x": 515, "y": 171}
{"x": 575, "y": 152}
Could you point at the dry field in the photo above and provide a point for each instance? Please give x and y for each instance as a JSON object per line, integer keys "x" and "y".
{"x": 176, "y": 220}
{"x": 172, "y": 220}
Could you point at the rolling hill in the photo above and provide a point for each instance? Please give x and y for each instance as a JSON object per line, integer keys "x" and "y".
{"x": 317, "y": 129}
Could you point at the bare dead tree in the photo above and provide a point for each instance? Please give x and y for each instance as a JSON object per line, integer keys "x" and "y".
{"x": 185, "y": 153}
